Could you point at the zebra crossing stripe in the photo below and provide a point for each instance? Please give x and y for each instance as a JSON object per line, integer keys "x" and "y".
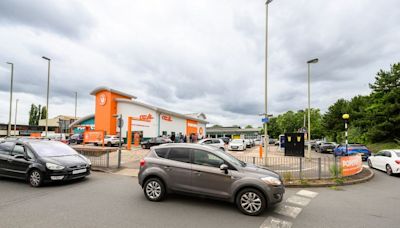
{"x": 298, "y": 200}
{"x": 289, "y": 211}
{"x": 272, "y": 222}
{"x": 307, "y": 193}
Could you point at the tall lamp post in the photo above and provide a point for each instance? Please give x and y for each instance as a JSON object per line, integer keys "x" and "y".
{"x": 15, "y": 118}
{"x": 266, "y": 140}
{"x": 309, "y": 62}
{"x": 47, "y": 97}
{"x": 346, "y": 118}
{"x": 11, "y": 94}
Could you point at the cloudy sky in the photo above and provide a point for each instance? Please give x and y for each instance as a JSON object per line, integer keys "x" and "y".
{"x": 194, "y": 56}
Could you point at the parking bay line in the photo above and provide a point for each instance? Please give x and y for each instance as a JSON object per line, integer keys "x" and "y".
{"x": 307, "y": 193}
{"x": 298, "y": 200}
{"x": 272, "y": 222}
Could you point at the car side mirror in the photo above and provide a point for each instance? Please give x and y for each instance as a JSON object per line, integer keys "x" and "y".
{"x": 224, "y": 168}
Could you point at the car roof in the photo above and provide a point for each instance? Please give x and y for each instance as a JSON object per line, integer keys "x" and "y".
{"x": 184, "y": 145}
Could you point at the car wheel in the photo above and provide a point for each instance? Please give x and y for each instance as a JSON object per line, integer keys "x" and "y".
{"x": 143, "y": 146}
{"x": 109, "y": 144}
{"x": 370, "y": 164}
{"x": 96, "y": 144}
{"x": 389, "y": 170}
{"x": 154, "y": 189}
{"x": 35, "y": 178}
{"x": 251, "y": 202}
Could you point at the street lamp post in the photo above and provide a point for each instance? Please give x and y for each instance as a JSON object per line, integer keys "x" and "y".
{"x": 309, "y": 62}
{"x": 47, "y": 97}
{"x": 15, "y": 118}
{"x": 76, "y": 102}
{"x": 266, "y": 140}
{"x": 346, "y": 118}
{"x": 11, "y": 94}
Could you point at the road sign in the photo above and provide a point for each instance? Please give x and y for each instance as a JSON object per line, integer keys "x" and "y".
{"x": 265, "y": 120}
{"x": 120, "y": 122}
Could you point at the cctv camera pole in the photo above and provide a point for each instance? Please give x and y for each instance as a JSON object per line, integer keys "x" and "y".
{"x": 11, "y": 93}
{"x": 120, "y": 122}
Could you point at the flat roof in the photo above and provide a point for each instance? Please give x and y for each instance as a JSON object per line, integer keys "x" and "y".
{"x": 161, "y": 110}
{"x": 102, "y": 88}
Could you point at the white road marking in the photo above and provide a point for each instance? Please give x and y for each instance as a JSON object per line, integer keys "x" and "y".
{"x": 307, "y": 193}
{"x": 289, "y": 211}
{"x": 298, "y": 200}
{"x": 272, "y": 222}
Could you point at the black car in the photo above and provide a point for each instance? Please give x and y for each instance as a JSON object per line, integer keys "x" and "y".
{"x": 155, "y": 142}
{"x": 39, "y": 161}
{"x": 226, "y": 140}
{"x": 76, "y": 139}
{"x": 325, "y": 147}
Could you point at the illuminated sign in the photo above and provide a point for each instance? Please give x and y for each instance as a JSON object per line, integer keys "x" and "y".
{"x": 144, "y": 118}
{"x": 102, "y": 99}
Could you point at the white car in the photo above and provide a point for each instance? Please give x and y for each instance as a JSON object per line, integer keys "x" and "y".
{"x": 248, "y": 143}
{"x": 219, "y": 143}
{"x": 111, "y": 140}
{"x": 386, "y": 160}
{"x": 237, "y": 144}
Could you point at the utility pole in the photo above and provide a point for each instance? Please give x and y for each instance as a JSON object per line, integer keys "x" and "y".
{"x": 11, "y": 94}
{"x": 47, "y": 99}
{"x": 76, "y": 102}
{"x": 15, "y": 119}
{"x": 266, "y": 139}
{"x": 309, "y": 105}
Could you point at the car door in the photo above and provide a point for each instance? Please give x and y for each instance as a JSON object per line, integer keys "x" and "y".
{"x": 20, "y": 161}
{"x": 179, "y": 169}
{"x": 5, "y": 156}
{"x": 378, "y": 160}
{"x": 207, "y": 178}
{"x": 386, "y": 159}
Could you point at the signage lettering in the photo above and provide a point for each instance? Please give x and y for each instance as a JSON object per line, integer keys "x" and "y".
{"x": 166, "y": 118}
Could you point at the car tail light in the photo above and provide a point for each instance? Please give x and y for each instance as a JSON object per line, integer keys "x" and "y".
{"x": 142, "y": 162}
{"x": 398, "y": 162}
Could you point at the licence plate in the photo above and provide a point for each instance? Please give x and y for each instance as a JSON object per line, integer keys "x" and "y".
{"x": 78, "y": 171}
{"x": 328, "y": 149}
{"x": 234, "y": 147}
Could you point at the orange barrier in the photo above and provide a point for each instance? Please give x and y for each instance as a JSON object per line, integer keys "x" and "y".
{"x": 93, "y": 137}
{"x": 35, "y": 135}
{"x": 261, "y": 150}
{"x": 351, "y": 165}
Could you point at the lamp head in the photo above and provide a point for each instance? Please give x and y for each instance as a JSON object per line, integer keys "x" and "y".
{"x": 313, "y": 60}
{"x": 346, "y": 116}
{"x": 44, "y": 57}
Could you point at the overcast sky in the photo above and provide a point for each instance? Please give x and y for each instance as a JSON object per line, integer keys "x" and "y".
{"x": 194, "y": 56}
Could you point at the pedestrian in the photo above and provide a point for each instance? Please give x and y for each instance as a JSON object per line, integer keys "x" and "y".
{"x": 173, "y": 137}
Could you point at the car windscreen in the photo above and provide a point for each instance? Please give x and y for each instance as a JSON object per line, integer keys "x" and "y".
{"x": 229, "y": 158}
{"x": 52, "y": 149}
{"x": 327, "y": 144}
{"x": 237, "y": 141}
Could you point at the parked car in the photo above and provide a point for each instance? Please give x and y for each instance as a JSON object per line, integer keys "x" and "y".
{"x": 76, "y": 139}
{"x": 218, "y": 143}
{"x": 206, "y": 171}
{"x": 111, "y": 140}
{"x": 40, "y": 161}
{"x": 352, "y": 149}
{"x": 257, "y": 142}
{"x": 237, "y": 144}
{"x": 248, "y": 143}
{"x": 325, "y": 147}
{"x": 154, "y": 142}
{"x": 386, "y": 160}
{"x": 226, "y": 140}
{"x": 272, "y": 141}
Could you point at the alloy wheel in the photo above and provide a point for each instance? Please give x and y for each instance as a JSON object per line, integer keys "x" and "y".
{"x": 35, "y": 178}
{"x": 153, "y": 190}
{"x": 250, "y": 202}
{"x": 389, "y": 170}
{"x": 370, "y": 163}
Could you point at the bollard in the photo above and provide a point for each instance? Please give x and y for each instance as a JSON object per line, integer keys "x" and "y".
{"x": 108, "y": 159}
{"x": 254, "y": 160}
{"x": 261, "y": 151}
{"x": 301, "y": 168}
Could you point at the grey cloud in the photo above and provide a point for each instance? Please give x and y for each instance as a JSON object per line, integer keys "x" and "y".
{"x": 67, "y": 18}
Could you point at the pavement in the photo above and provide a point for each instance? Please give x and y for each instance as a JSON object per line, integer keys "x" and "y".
{"x": 108, "y": 200}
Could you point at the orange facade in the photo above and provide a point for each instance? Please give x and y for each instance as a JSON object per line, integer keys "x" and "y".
{"x": 191, "y": 127}
{"x": 106, "y": 107}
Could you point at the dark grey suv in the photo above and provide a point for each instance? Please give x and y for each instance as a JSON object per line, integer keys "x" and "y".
{"x": 207, "y": 171}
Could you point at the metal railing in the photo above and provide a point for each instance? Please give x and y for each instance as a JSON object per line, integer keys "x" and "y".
{"x": 296, "y": 167}
{"x": 99, "y": 159}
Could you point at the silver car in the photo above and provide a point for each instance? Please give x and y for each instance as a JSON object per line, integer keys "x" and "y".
{"x": 207, "y": 171}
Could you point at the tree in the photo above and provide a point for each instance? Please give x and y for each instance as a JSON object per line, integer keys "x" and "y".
{"x": 32, "y": 115}
{"x": 248, "y": 127}
{"x": 43, "y": 113}
{"x": 216, "y": 126}
{"x": 332, "y": 122}
{"x": 384, "y": 110}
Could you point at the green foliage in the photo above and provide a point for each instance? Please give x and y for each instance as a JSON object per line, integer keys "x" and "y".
{"x": 248, "y": 127}
{"x": 287, "y": 176}
{"x": 304, "y": 182}
{"x": 376, "y": 147}
{"x": 335, "y": 170}
{"x": 36, "y": 113}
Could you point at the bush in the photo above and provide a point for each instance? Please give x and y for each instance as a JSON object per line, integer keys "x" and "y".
{"x": 335, "y": 171}
{"x": 287, "y": 176}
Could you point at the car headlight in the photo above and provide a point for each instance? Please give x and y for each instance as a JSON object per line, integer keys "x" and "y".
{"x": 52, "y": 166}
{"x": 86, "y": 159}
{"x": 271, "y": 181}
